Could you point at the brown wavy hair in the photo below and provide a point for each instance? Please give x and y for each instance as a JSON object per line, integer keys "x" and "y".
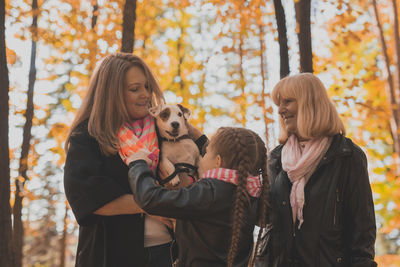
{"x": 316, "y": 116}
{"x": 103, "y": 104}
{"x": 242, "y": 150}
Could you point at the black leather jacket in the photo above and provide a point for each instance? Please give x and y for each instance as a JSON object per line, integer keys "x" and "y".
{"x": 91, "y": 180}
{"x": 203, "y": 212}
{"x": 339, "y": 222}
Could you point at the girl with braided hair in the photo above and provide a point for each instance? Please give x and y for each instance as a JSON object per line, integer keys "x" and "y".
{"x": 216, "y": 215}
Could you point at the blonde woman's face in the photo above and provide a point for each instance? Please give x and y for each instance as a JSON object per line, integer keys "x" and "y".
{"x": 288, "y": 111}
{"x": 136, "y": 94}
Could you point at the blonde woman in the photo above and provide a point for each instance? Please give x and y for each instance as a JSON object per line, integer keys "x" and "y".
{"x": 323, "y": 212}
{"x": 114, "y": 231}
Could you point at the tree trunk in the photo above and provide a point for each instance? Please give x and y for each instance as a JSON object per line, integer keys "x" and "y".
{"x": 18, "y": 229}
{"x": 93, "y": 37}
{"x": 128, "y": 26}
{"x": 282, "y": 38}
{"x": 181, "y": 57}
{"x": 202, "y": 85}
{"x": 303, "y": 10}
{"x": 63, "y": 240}
{"x": 95, "y": 6}
{"x": 242, "y": 82}
{"x": 394, "y": 121}
{"x": 397, "y": 45}
{"x": 201, "y": 109}
{"x": 263, "y": 79}
{"x": 6, "y": 249}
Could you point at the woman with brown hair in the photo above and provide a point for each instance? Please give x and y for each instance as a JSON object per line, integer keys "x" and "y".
{"x": 114, "y": 231}
{"x": 216, "y": 215}
{"x": 321, "y": 200}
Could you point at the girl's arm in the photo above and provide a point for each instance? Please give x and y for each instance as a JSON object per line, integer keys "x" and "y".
{"x": 194, "y": 202}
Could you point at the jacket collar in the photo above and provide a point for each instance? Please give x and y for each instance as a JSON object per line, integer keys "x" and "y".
{"x": 340, "y": 146}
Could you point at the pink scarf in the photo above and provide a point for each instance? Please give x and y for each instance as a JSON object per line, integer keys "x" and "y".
{"x": 231, "y": 176}
{"x": 300, "y": 163}
{"x": 139, "y": 137}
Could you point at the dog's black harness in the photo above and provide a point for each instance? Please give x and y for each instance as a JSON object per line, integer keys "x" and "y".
{"x": 185, "y": 136}
{"x": 179, "y": 167}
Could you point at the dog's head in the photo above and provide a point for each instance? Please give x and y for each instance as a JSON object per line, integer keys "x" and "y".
{"x": 171, "y": 120}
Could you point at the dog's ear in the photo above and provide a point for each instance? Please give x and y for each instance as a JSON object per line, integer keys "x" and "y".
{"x": 154, "y": 111}
{"x": 186, "y": 112}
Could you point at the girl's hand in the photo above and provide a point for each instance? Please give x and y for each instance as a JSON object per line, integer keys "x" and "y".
{"x": 193, "y": 131}
{"x": 141, "y": 154}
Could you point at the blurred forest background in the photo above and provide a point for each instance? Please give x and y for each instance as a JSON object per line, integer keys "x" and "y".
{"x": 219, "y": 58}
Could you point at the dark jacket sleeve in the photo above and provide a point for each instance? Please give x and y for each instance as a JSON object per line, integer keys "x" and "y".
{"x": 359, "y": 212}
{"x": 86, "y": 187}
{"x": 202, "y": 143}
{"x": 193, "y": 202}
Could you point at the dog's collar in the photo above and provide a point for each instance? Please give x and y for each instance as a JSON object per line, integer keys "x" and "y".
{"x": 185, "y": 136}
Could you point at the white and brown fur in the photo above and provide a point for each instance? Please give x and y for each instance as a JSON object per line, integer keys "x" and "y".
{"x": 171, "y": 122}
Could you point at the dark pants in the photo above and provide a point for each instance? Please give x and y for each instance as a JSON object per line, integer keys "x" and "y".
{"x": 159, "y": 256}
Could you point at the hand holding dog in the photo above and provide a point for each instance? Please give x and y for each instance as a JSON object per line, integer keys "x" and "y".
{"x": 141, "y": 154}
{"x": 193, "y": 132}
{"x": 166, "y": 221}
{"x": 166, "y": 168}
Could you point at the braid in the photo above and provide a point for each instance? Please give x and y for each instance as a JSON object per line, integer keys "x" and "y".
{"x": 263, "y": 198}
{"x": 265, "y": 183}
{"x": 244, "y": 165}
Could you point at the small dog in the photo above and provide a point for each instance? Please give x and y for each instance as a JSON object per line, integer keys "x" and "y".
{"x": 176, "y": 146}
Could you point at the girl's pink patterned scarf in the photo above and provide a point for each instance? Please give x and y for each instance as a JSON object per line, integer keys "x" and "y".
{"x": 137, "y": 137}
{"x": 231, "y": 176}
{"x": 300, "y": 163}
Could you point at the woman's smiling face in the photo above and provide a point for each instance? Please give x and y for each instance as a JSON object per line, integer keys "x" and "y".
{"x": 137, "y": 96}
{"x": 288, "y": 109}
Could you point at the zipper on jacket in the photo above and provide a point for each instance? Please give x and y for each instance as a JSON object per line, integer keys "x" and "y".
{"x": 335, "y": 209}
{"x": 171, "y": 253}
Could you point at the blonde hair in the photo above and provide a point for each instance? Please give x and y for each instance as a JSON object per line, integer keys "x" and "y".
{"x": 316, "y": 116}
{"x": 103, "y": 104}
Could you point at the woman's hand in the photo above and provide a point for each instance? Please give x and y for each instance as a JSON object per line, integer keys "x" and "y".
{"x": 166, "y": 221}
{"x": 124, "y": 204}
